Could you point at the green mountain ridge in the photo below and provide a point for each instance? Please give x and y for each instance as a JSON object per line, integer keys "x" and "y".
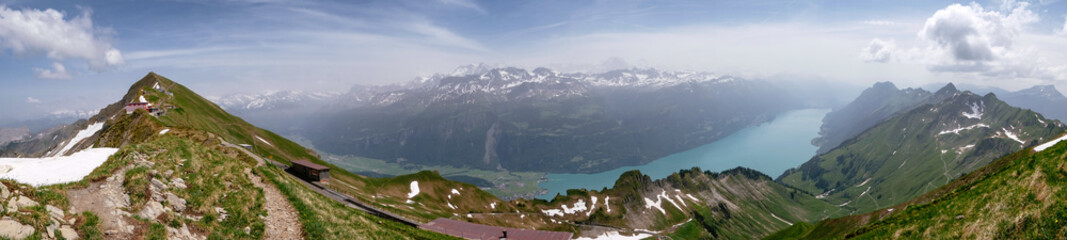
{"x": 693, "y": 204}
{"x": 1019, "y": 196}
{"x": 920, "y": 150}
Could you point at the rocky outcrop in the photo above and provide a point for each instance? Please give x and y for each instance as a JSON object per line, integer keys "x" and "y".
{"x": 12, "y": 229}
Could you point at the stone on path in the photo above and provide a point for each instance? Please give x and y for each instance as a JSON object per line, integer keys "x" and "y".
{"x": 12, "y": 229}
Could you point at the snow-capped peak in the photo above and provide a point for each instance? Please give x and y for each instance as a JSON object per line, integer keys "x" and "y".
{"x": 510, "y": 83}
{"x": 472, "y": 69}
{"x": 271, "y": 99}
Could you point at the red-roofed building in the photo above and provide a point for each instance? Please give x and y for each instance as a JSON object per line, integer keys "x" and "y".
{"x": 485, "y": 232}
{"x": 130, "y": 107}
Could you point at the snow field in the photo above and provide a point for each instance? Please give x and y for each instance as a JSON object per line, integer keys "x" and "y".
{"x": 54, "y": 170}
{"x": 82, "y": 135}
{"x": 1049, "y": 144}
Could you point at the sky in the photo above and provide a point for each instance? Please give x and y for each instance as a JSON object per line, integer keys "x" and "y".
{"x": 63, "y": 56}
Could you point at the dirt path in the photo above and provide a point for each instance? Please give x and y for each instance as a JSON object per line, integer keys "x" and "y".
{"x": 106, "y": 199}
{"x": 282, "y": 220}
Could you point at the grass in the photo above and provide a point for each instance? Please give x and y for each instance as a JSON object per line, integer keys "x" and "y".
{"x": 324, "y": 218}
{"x": 1016, "y": 197}
{"x": 89, "y": 226}
{"x": 213, "y": 175}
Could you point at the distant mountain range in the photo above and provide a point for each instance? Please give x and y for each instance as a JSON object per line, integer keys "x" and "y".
{"x": 1044, "y": 99}
{"x": 282, "y": 111}
{"x": 543, "y": 120}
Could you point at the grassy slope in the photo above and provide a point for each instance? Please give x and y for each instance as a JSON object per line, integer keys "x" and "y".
{"x": 324, "y": 218}
{"x": 215, "y": 178}
{"x": 194, "y": 114}
{"x": 903, "y": 156}
{"x": 1016, "y": 197}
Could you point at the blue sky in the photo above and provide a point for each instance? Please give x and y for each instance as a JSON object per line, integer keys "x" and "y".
{"x": 81, "y": 55}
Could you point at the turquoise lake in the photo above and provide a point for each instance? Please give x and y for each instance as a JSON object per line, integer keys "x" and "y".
{"x": 770, "y": 148}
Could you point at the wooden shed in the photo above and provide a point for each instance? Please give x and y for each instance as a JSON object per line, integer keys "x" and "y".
{"x": 310, "y": 171}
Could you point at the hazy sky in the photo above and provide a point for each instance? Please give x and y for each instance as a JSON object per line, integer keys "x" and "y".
{"x": 80, "y": 55}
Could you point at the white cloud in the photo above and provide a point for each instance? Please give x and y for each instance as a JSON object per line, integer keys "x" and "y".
{"x": 972, "y": 34}
{"x": 58, "y": 71}
{"x": 442, "y": 36}
{"x": 975, "y": 42}
{"x": 878, "y": 51}
{"x": 32, "y": 100}
{"x": 32, "y": 31}
{"x": 465, "y": 4}
{"x": 1063, "y": 32}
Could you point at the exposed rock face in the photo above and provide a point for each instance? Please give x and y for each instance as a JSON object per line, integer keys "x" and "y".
{"x": 14, "y": 230}
{"x": 175, "y": 202}
{"x": 151, "y": 210}
{"x": 181, "y": 233}
{"x": 68, "y": 232}
{"x": 25, "y": 202}
{"x": 178, "y": 183}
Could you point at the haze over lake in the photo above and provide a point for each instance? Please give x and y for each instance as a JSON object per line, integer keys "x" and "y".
{"x": 770, "y": 148}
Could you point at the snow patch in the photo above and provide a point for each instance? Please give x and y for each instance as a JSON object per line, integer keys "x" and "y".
{"x": 576, "y": 207}
{"x": 164, "y": 131}
{"x": 680, "y": 200}
{"x": 552, "y": 212}
{"x": 264, "y": 141}
{"x": 54, "y": 170}
{"x": 976, "y": 111}
{"x": 780, "y": 219}
{"x": 1012, "y": 136}
{"x": 656, "y": 204}
{"x": 450, "y": 206}
{"x": 414, "y": 189}
{"x": 1049, "y": 144}
{"x": 865, "y": 192}
{"x": 454, "y": 191}
{"x": 614, "y": 235}
{"x": 607, "y": 204}
{"x": 691, "y": 197}
{"x": 663, "y": 195}
{"x": 82, "y": 135}
{"x": 492, "y": 205}
{"x": 864, "y": 182}
{"x": 592, "y": 205}
{"x": 957, "y": 131}
{"x": 827, "y": 193}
